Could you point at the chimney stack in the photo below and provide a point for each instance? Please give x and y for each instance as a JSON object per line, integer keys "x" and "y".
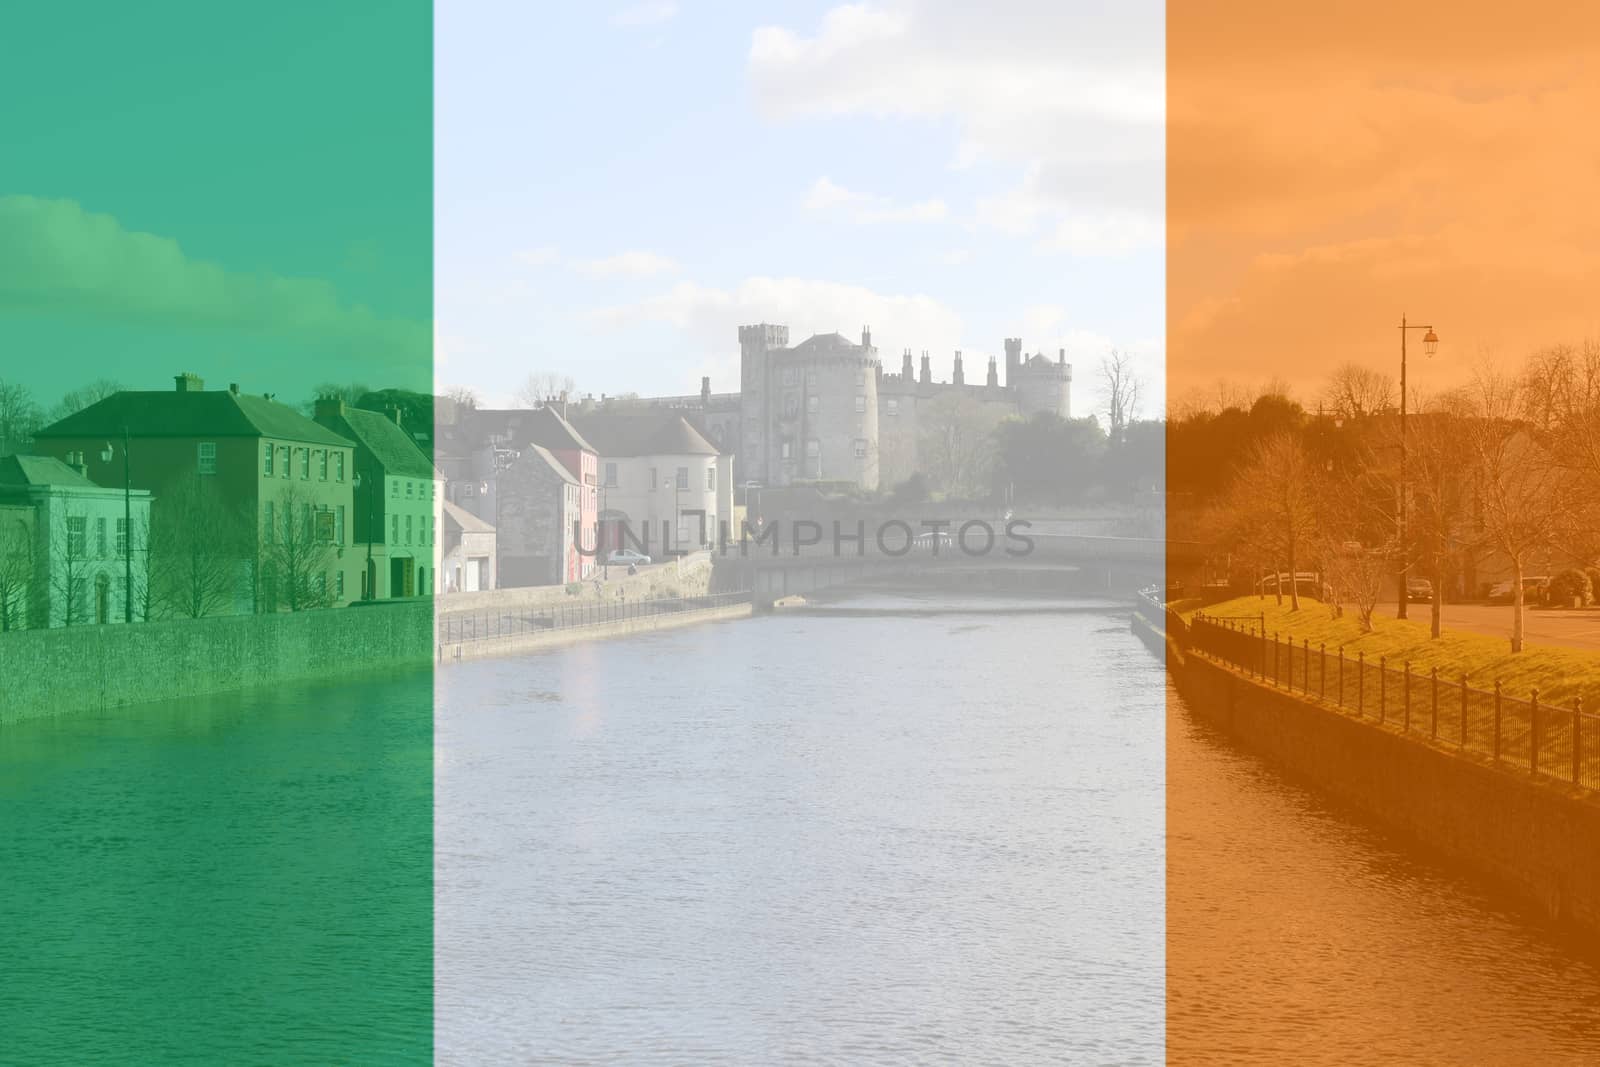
{"x": 927, "y": 370}
{"x": 1061, "y": 359}
{"x": 866, "y": 337}
{"x": 328, "y": 407}
{"x": 233, "y": 387}
{"x": 907, "y": 372}
{"x": 705, "y": 392}
{"x": 188, "y": 383}
{"x": 994, "y": 374}
{"x": 957, "y": 376}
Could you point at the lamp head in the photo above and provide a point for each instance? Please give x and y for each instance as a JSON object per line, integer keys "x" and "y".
{"x": 1430, "y": 342}
{"x": 106, "y": 453}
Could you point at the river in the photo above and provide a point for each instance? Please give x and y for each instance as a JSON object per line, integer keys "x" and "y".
{"x": 939, "y": 835}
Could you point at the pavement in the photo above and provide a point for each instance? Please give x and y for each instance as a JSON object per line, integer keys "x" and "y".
{"x": 1565, "y": 627}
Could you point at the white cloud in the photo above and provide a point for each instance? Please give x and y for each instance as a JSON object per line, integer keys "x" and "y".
{"x": 634, "y": 263}
{"x": 1073, "y": 95}
{"x": 543, "y": 256}
{"x": 651, "y": 13}
{"x": 954, "y": 257}
{"x": 827, "y": 197}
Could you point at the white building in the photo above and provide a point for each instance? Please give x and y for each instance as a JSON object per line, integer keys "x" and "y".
{"x": 64, "y": 544}
{"x": 662, "y": 484}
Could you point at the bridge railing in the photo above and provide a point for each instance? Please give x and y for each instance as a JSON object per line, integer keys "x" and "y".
{"x": 1545, "y": 739}
{"x": 466, "y": 627}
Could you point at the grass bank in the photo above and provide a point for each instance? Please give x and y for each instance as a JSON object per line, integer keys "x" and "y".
{"x": 1560, "y": 674}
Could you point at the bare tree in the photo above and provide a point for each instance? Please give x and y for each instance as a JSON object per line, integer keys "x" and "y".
{"x": 1121, "y": 391}
{"x": 197, "y": 552}
{"x": 1354, "y": 392}
{"x": 75, "y": 400}
{"x": 16, "y": 569}
{"x": 463, "y": 396}
{"x": 351, "y": 393}
{"x": 1519, "y": 485}
{"x": 1440, "y": 491}
{"x": 956, "y": 444}
{"x": 19, "y": 418}
{"x": 300, "y": 554}
{"x": 1275, "y": 497}
{"x": 543, "y": 387}
{"x": 70, "y": 568}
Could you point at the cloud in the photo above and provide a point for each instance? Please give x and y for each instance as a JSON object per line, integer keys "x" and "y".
{"x": 542, "y": 256}
{"x": 1070, "y": 96}
{"x": 651, "y": 13}
{"x": 954, "y": 257}
{"x": 826, "y": 197}
{"x": 62, "y": 259}
{"x": 631, "y": 264}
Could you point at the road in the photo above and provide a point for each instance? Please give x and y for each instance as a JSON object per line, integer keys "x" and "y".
{"x": 1565, "y": 628}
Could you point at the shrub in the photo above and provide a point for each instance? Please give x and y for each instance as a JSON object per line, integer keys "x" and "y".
{"x": 1569, "y": 585}
{"x": 1594, "y": 580}
{"x": 574, "y": 588}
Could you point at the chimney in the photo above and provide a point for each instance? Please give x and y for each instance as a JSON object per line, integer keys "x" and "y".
{"x": 906, "y": 370}
{"x": 994, "y": 374}
{"x": 1061, "y": 359}
{"x": 329, "y": 407}
{"x": 927, "y": 370}
{"x": 394, "y": 415}
{"x": 75, "y": 461}
{"x": 866, "y": 337}
{"x": 233, "y": 387}
{"x": 705, "y": 392}
{"x": 188, "y": 383}
{"x": 957, "y": 377}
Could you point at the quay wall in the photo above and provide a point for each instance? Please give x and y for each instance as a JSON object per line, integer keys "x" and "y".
{"x": 538, "y": 641}
{"x": 92, "y": 668}
{"x": 1536, "y": 838}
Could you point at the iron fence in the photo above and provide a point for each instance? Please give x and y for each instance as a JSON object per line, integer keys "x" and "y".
{"x": 467, "y": 626}
{"x": 1560, "y": 742}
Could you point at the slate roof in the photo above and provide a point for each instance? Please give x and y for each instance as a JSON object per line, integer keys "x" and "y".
{"x": 390, "y": 445}
{"x": 645, "y": 434}
{"x": 464, "y": 520}
{"x": 824, "y": 341}
{"x": 168, "y": 413}
{"x": 539, "y": 426}
{"x": 22, "y": 472}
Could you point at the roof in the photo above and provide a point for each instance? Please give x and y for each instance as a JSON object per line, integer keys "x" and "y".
{"x": 646, "y": 433}
{"x": 464, "y": 520}
{"x": 169, "y": 413}
{"x": 390, "y": 445}
{"x": 824, "y": 341}
{"x": 539, "y": 452}
{"x": 22, "y": 472}
{"x": 523, "y": 426}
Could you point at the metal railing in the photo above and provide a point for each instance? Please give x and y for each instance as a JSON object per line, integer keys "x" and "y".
{"x": 1545, "y": 739}
{"x": 467, "y": 626}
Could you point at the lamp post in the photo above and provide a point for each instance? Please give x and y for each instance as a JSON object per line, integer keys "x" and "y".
{"x": 106, "y": 455}
{"x": 1430, "y": 345}
{"x": 368, "y": 579}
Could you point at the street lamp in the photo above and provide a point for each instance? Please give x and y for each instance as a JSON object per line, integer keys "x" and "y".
{"x": 1430, "y": 345}
{"x": 369, "y": 579}
{"x": 127, "y": 524}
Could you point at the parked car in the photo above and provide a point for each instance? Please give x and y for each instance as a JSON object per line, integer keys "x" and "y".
{"x": 1533, "y": 590}
{"x": 626, "y": 556}
{"x": 1419, "y": 590}
{"x": 933, "y": 541}
{"x": 1305, "y": 581}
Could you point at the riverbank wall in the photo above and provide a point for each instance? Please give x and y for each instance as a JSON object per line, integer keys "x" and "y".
{"x": 1536, "y": 838}
{"x": 92, "y": 668}
{"x": 542, "y": 640}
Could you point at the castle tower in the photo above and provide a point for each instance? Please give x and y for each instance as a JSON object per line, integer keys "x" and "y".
{"x": 927, "y": 370}
{"x": 756, "y": 345}
{"x": 956, "y": 375}
{"x": 1013, "y": 360}
{"x": 994, "y": 375}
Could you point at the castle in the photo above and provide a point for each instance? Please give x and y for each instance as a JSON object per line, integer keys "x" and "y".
{"x": 824, "y": 410}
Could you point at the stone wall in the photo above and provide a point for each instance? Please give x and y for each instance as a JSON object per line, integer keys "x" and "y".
{"x": 91, "y": 668}
{"x": 1536, "y": 838}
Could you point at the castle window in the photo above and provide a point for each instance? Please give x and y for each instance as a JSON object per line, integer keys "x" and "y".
{"x": 861, "y": 404}
{"x": 893, "y": 406}
{"x": 861, "y": 448}
{"x": 813, "y": 448}
{"x": 791, "y": 376}
{"x": 811, "y": 404}
{"x": 861, "y": 376}
{"x": 786, "y": 450}
{"x": 811, "y": 379}
{"x": 791, "y": 405}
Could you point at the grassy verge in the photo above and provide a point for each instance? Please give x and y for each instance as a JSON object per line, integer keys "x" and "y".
{"x": 1560, "y": 674}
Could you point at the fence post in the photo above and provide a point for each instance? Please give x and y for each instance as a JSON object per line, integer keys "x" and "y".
{"x": 1383, "y": 689}
{"x": 1433, "y": 716}
{"x": 1497, "y": 720}
{"x": 1463, "y": 711}
{"x": 1533, "y": 734}
{"x": 1305, "y": 661}
{"x": 1276, "y": 674}
{"x": 1577, "y": 740}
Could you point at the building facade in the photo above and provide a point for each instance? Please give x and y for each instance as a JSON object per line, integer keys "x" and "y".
{"x": 663, "y": 486}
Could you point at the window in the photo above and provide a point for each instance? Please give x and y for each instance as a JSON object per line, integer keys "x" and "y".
{"x": 683, "y": 478}
{"x": 266, "y": 461}
{"x": 322, "y": 464}
{"x": 611, "y": 475}
{"x": 653, "y": 478}
{"x": 77, "y": 536}
{"x": 326, "y": 526}
{"x": 394, "y": 529}
{"x": 861, "y": 448}
{"x": 122, "y": 538}
{"x": 100, "y": 538}
{"x": 283, "y": 461}
{"x": 812, "y": 404}
{"x": 338, "y": 466}
{"x": 266, "y": 525}
{"x": 305, "y": 464}
{"x": 786, "y": 450}
{"x": 711, "y": 477}
{"x": 791, "y": 405}
{"x": 410, "y": 489}
{"x": 892, "y": 407}
{"x": 861, "y": 376}
{"x": 813, "y": 448}
{"x": 791, "y": 376}
{"x": 408, "y": 529}
{"x": 338, "y": 527}
{"x": 208, "y": 457}
{"x": 861, "y": 404}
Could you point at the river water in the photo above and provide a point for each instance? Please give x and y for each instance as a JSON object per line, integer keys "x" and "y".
{"x": 876, "y": 838}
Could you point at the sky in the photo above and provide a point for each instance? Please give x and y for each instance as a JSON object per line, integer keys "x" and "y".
{"x": 619, "y": 187}
{"x": 1332, "y": 168}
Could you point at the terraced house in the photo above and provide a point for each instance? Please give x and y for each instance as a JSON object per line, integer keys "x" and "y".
{"x": 399, "y": 498}
{"x": 233, "y": 477}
